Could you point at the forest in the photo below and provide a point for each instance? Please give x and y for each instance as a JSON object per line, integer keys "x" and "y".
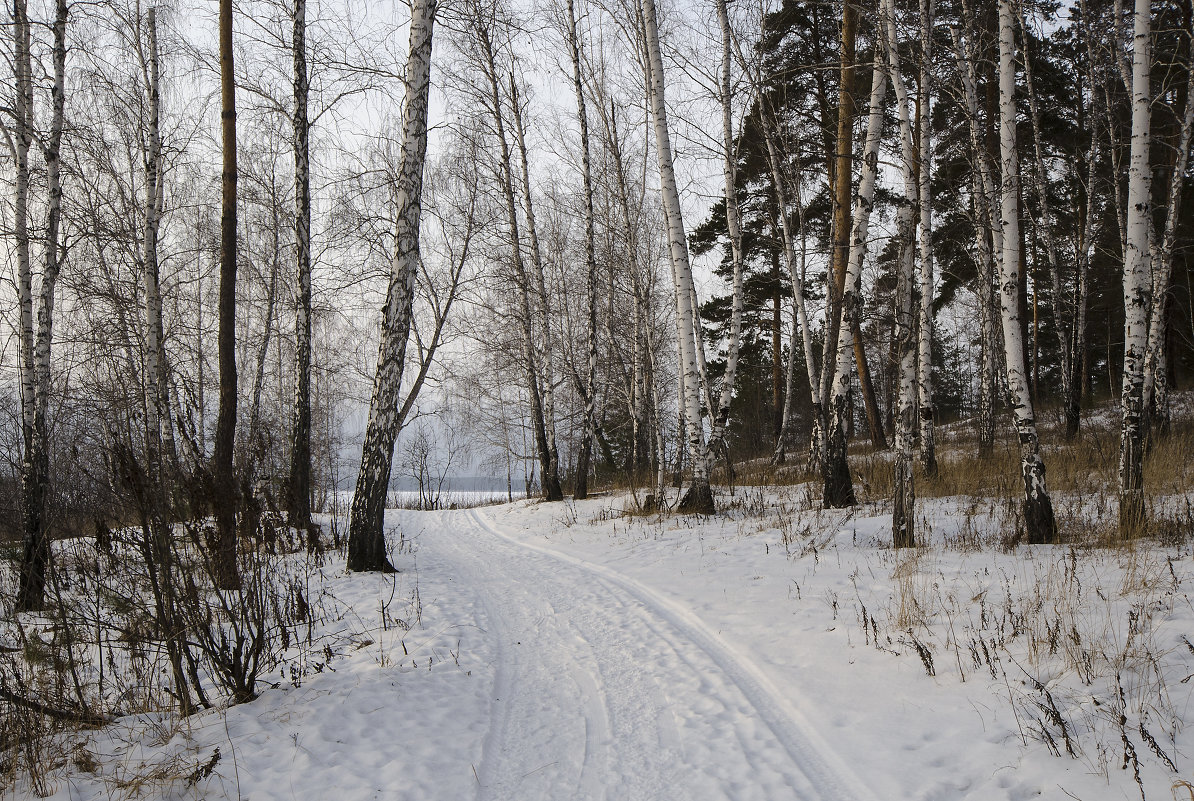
{"x": 269, "y": 260}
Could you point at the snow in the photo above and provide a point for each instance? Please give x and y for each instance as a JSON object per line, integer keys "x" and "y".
{"x": 539, "y": 651}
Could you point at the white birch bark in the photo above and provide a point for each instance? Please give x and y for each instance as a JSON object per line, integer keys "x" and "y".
{"x": 839, "y": 487}
{"x": 550, "y": 481}
{"x": 366, "y": 536}
{"x": 1063, "y": 320}
{"x": 1156, "y": 404}
{"x": 986, "y": 219}
{"x": 699, "y": 495}
{"x": 582, "y": 117}
{"x": 721, "y": 412}
{"x": 795, "y": 267}
{"x": 1038, "y": 508}
{"x": 924, "y": 360}
{"x": 157, "y": 403}
{"x": 35, "y": 558}
{"x": 298, "y": 489}
{"x": 35, "y": 348}
{"x": 908, "y": 337}
{"x": 546, "y": 355}
{"x": 1137, "y": 267}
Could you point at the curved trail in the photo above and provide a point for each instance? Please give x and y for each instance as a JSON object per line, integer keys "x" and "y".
{"x": 605, "y": 690}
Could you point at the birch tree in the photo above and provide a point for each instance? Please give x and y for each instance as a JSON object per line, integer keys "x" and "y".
{"x": 1156, "y": 405}
{"x": 924, "y": 358}
{"x": 802, "y": 337}
{"x": 838, "y": 484}
{"x": 35, "y": 351}
{"x": 298, "y": 488}
{"x": 366, "y": 533}
{"x": 482, "y": 22}
{"x": 1137, "y": 268}
{"x": 158, "y": 401}
{"x": 590, "y": 390}
{"x": 699, "y": 496}
{"x": 1038, "y": 507}
{"x": 910, "y": 332}
{"x": 547, "y": 351}
{"x": 988, "y": 233}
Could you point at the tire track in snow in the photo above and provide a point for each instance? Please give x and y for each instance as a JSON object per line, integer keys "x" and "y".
{"x": 606, "y": 690}
{"x": 829, "y": 775}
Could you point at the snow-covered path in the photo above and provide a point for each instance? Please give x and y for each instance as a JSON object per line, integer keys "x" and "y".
{"x": 605, "y": 690}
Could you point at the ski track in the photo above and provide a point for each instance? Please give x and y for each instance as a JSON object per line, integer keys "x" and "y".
{"x": 605, "y": 690}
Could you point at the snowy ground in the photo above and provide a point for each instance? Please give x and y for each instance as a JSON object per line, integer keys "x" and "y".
{"x": 544, "y": 652}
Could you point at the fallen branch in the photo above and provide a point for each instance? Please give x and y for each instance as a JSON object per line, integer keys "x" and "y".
{"x": 83, "y": 717}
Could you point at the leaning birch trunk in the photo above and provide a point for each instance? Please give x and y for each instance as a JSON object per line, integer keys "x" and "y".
{"x": 908, "y": 338}
{"x": 839, "y": 486}
{"x": 924, "y": 359}
{"x": 551, "y": 471}
{"x": 699, "y": 496}
{"x": 298, "y": 488}
{"x": 1137, "y": 265}
{"x": 1038, "y": 508}
{"x": 366, "y": 534}
{"x": 581, "y": 489}
{"x": 1156, "y": 398}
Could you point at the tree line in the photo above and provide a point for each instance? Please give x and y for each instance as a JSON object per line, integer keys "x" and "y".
{"x": 505, "y": 186}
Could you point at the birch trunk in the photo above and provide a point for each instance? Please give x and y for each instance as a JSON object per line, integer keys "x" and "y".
{"x": 1078, "y": 347}
{"x": 155, "y": 203}
{"x": 839, "y": 487}
{"x": 546, "y": 360}
{"x": 271, "y": 297}
{"x": 157, "y": 380}
{"x": 581, "y": 489}
{"x": 157, "y": 403}
{"x": 1137, "y": 267}
{"x": 719, "y": 407}
{"x": 36, "y": 465}
{"x": 986, "y": 219}
{"x": 1156, "y": 406}
{"x": 298, "y": 488}
{"x": 908, "y": 338}
{"x": 366, "y": 533}
{"x": 800, "y": 328}
{"x": 36, "y": 554}
{"x": 1038, "y": 508}
{"x": 699, "y": 496}
{"x": 550, "y": 483}
{"x": 1063, "y": 321}
{"x": 160, "y": 453}
{"x": 924, "y": 362}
